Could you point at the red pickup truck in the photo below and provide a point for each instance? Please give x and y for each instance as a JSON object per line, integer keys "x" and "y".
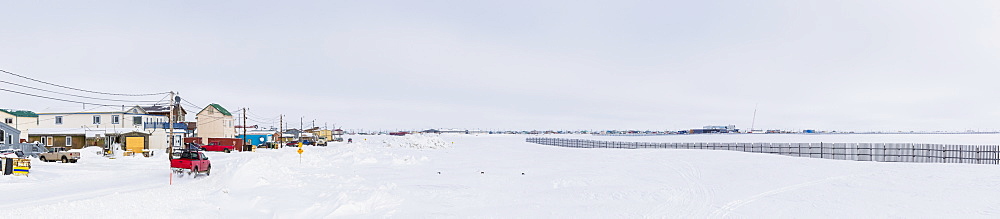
{"x": 222, "y": 144}
{"x": 192, "y": 162}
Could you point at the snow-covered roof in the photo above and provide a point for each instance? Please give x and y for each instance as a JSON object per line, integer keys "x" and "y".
{"x": 83, "y": 131}
{"x": 95, "y": 109}
{"x": 159, "y": 109}
{"x": 257, "y": 132}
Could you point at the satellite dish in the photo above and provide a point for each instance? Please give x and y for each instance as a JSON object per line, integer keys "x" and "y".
{"x": 177, "y": 98}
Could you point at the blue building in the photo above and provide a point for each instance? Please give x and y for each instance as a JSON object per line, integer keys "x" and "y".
{"x": 258, "y": 137}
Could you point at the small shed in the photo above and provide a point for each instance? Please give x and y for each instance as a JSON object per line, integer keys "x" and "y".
{"x": 136, "y": 142}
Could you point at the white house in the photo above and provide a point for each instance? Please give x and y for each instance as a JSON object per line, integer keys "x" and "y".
{"x": 106, "y": 125}
{"x": 22, "y": 120}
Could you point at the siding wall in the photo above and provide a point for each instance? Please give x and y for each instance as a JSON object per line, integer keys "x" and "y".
{"x": 213, "y": 124}
{"x": 20, "y": 123}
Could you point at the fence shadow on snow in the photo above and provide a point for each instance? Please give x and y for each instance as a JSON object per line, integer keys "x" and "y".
{"x": 879, "y": 152}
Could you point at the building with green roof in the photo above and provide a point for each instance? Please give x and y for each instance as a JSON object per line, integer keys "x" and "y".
{"x": 21, "y": 120}
{"x": 215, "y": 121}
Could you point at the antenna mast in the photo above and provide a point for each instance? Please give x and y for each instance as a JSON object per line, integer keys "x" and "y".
{"x": 754, "y": 120}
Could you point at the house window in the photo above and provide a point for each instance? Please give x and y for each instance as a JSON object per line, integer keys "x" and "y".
{"x": 97, "y": 120}
{"x": 10, "y": 139}
{"x": 137, "y": 120}
{"x": 69, "y": 141}
{"x": 48, "y": 141}
{"x": 59, "y": 120}
{"x": 8, "y": 120}
{"x": 115, "y": 119}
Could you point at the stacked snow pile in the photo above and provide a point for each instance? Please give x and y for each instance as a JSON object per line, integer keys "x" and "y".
{"x": 90, "y": 152}
{"x": 416, "y": 142}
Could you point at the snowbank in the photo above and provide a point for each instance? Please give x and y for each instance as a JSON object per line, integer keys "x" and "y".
{"x": 416, "y": 142}
{"x": 496, "y": 176}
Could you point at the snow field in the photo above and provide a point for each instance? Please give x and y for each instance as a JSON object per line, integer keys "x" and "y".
{"x": 481, "y": 176}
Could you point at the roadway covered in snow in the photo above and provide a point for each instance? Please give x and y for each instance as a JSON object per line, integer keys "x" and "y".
{"x": 503, "y": 176}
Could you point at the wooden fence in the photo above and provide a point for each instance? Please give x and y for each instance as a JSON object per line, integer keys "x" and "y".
{"x": 880, "y": 152}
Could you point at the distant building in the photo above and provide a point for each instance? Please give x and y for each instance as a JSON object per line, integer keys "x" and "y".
{"x": 728, "y": 127}
{"x": 715, "y": 129}
{"x": 453, "y": 131}
{"x": 321, "y": 134}
{"x": 214, "y": 121}
{"x": 180, "y": 114}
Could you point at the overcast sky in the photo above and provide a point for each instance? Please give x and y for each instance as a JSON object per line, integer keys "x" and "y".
{"x": 660, "y": 65}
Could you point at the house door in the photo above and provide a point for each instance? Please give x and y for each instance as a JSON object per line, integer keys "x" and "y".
{"x": 135, "y": 144}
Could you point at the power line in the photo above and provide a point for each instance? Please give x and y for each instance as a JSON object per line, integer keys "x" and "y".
{"x": 253, "y": 116}
{"x": 263, "y": 122}
{"x": 77, "y": 89}
{"x": 189, "y": 102}
{"x": 53, "y": 98}
{"x": 95, "y": 98}
{"x": 194, "y": 106}
{"x": 161, "y": 100}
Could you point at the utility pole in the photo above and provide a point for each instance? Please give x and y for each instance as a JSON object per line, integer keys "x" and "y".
{"x": 244, "y": 145}
{"x": 170, "y": 121}
{"x": 754, "y": 120}
{"x": 281, "y": 131}
{"x": 170, "y": 148}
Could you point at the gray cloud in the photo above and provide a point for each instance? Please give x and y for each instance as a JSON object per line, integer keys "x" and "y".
{"x": 848, "y": 65}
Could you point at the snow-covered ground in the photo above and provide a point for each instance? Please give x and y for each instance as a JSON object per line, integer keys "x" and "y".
{"x": 501, "y": 176}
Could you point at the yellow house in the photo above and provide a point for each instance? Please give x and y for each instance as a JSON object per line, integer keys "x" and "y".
{"x": 323, "y": 134}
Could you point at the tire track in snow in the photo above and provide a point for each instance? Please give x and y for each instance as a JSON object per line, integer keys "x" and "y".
{"x": 725, "y": 210}
{"x": 698, "y": 198}
{"x": 93, "y": 194}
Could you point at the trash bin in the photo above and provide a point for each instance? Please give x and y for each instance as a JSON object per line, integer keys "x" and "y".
{"x": 8, "y": 166}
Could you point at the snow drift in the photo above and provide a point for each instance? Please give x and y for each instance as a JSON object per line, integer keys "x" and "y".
{"x": 416, "y": 142}
{"x": 501, "y": 176}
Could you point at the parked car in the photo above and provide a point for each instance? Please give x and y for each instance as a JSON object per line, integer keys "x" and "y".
{"x": 217, "y": 146}
{"x": 268, "y": 145}
{"x": 190, "y": 162}
{"x": 59, "y": 154}
{"x": 292, "y": 143}
{"x": 321, "y": 142}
